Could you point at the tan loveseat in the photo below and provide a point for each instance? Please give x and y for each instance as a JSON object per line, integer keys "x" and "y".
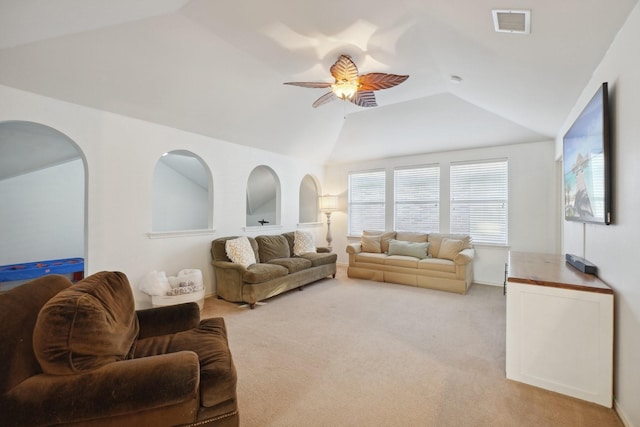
{"x": 277, "y": 269}
{"x": 399, "y": 257}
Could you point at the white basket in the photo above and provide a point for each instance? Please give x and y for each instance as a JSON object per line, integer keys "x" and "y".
{"x": 162, "y": 300}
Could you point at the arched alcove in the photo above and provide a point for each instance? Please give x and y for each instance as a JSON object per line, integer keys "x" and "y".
{"x": 182, "y": 193}
{"x": 308, "y": 200}
{"x": 263, "y": 197}
{"x": 43, "y": 192}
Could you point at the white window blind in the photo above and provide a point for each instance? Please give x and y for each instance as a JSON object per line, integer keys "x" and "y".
{"x": 366, "y": 201}
{"x": 417, "y": 199}
{"x": 479, "y": 200}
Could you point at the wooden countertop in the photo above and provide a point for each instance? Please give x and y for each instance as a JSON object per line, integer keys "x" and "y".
{"x": 551, "y": 270}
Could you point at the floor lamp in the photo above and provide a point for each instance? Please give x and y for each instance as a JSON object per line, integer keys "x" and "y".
{"x": 328, "y": 204}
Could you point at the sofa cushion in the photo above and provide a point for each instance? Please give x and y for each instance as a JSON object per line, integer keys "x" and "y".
{"x": 414, "y": 249}
{"x": 435, "y": 239}
{"x": 320, "y": 258}
{"x": 272, "y": 247}
{"x": 219, "y": 251}
{"x": 303, "y": 243}
{"x": 401, "y": 261}
{"x": 87, "y": 325}
{"x": 371, "y": 258}
{"x": 239, "y": 251}
{"x": 291, "y": 239}
{"x": 209, "y": 342}
{"x": 258, "y": 273}
{"x": 385, "y": 236}
{"x": 371, "y": 244}
{"x": 436, "y": 264}
{"x": 293, "y": 265}
{"x": 412, "y": 236}
{"x": 449, "y": 248}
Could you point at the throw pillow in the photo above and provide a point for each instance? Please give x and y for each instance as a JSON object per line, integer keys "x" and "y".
{"x": 239, "y": 251}
{"x": 370, "y": 244}
{"x": 414, "y": 249}
{"x": 303, "y": 243}
{"x": 86, "y": 326}
{"x": 449, "y": 248}
{"x": 436, "y": 239}
{"x": 384, "y": 236}
{"x": 273, "y": 247}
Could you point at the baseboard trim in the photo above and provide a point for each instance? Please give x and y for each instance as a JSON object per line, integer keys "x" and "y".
{"x": 621, "y": 414}
{"x": 487, "y": 283}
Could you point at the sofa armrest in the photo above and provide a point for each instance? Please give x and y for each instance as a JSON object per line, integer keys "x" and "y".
{"x": 354, "y": 248}
{"x": 464, "y": 257}
{"x": 229, "y": 280}
{"x": 117, "y": 389}
{"x": 168, "y": 319}
{"x": 229, "y": 265}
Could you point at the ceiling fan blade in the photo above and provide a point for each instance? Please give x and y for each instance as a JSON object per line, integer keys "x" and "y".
{"x": 344, "y": 69}
{"x": 309, "y": 84}
{"x": 327, "y": 97}
{"x": 377, "y": 81}
{"x": 364, "y": 99}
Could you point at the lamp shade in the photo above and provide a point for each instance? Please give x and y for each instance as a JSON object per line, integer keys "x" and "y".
{"x": 328, "y": 203}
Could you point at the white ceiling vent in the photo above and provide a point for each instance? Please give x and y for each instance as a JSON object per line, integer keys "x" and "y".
{"x": 512, "y": 21}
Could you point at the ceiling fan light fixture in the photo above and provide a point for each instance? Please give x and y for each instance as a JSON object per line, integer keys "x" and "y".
{"x": 351, "y": 86}
{"x": 344, "y": 89}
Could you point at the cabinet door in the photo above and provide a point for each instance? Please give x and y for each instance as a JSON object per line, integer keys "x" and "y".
{"x": 561, "y": 340}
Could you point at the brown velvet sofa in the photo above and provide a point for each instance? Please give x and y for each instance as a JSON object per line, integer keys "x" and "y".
{"x": 80, "y": 355}
{"x": 276, "y": 271}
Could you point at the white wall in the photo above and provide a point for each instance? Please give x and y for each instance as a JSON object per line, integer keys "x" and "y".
{"x": 121, "y": 154}
{"x": 614, "y": 248}
{"x": 308, "y": 197}
{"x": 266, "y": 212}
{"x": 178, "y": 202}
{"x": 42, "y": 215}
{"x": 533, "y": 223}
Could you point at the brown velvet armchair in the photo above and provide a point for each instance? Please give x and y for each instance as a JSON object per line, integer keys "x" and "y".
{"x": 81, "y": 355}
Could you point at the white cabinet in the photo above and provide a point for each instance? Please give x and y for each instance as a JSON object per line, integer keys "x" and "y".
{"x": 559, "y": 328}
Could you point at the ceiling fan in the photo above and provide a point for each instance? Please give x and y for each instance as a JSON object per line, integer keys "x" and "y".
{"x": 350, "y": 86}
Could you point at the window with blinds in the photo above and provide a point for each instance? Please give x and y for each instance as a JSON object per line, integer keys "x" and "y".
{"x": 479, "y": 200}
{"x": 417, "y": 199}
{"x": 366, "y": 201}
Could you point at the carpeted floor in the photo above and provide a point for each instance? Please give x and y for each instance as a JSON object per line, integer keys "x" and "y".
{"x": 347, "y": 352}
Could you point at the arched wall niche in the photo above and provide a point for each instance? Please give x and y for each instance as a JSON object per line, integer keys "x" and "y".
{"x": 43, "y": 188}
{"x": 182, "y": 193}
{"x": 308, "y": 200}
{"x": 263, "y": 197}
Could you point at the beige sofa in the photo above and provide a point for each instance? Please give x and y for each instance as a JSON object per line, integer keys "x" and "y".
{"x": 276, "y": 270}
{"x": 398, "y": 257}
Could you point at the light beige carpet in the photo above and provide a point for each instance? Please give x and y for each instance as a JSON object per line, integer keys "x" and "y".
{"x": 346, "y": 352}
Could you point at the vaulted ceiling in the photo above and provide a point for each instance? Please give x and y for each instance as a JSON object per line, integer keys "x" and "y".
{"x": 216, "y": 68}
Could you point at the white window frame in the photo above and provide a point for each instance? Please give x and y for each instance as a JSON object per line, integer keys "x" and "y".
{"x": 416, "y": 195}
{"x": 366, "y": 201}
{"x": 479, "y": 197}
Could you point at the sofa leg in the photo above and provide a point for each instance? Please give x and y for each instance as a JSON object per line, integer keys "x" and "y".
{"x": 252, "y": 305}
{"x": 333, "y": 275}
{"x": 301, "y": 288}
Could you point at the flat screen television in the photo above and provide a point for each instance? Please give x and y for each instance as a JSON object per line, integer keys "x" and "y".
{"x": 586, "y": 163}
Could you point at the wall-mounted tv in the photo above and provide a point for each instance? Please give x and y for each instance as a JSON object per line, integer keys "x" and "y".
{"x": 586, "y": 163}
